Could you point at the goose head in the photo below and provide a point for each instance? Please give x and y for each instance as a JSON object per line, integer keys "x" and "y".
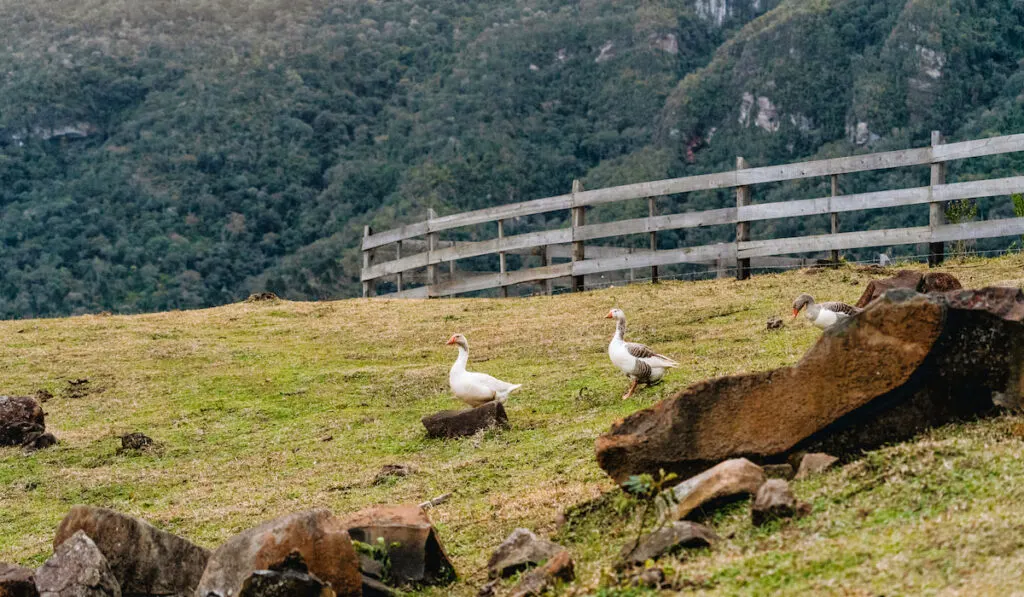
{"x": 801, "y": 301}
{"x": 616, "y": 314}
{"x": 458, "y": 340}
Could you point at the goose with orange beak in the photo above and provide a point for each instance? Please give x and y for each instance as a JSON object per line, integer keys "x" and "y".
{"x": 475, "y": 389}
{"x": 638, "y": 362}
{"x": 823, "y": 315}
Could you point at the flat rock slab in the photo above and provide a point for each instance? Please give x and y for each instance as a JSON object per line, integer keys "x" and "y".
{"x": 416, "y": 553}
{"x": 21, "y": 418}
{"x": 521, "y": 550}
{"x": 906, "y": 363}
{"x": 77, "y": 569}
{"x": 16, "y": 581}
{"x": 144, "y": 559}
{"x": 316, "y": 535}
{"x": 735, "y": 478}
{"x": 462, "y": 423}
{"x": 670, "y": 539}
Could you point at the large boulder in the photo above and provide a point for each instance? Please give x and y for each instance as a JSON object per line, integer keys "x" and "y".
{"x": 21, "y": 419}
{"x": 77, "y": 569}
{"x": 907, "y": 362}
{"x": 144, "y": 559}
{"x": 461, "y": 423}
{"x": 16, "y": 581}
{"x": 733, "y": 479}
{"x": 316, "y": 535}
{"x": 414, "y": 550}
{"x": 521, "y": 550}
{"x": 908, "y": 279}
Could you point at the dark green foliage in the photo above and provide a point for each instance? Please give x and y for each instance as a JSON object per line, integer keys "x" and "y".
{"x": 188, "y": 153}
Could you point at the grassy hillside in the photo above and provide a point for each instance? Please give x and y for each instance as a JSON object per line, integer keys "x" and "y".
{"x": 265, "y": 408}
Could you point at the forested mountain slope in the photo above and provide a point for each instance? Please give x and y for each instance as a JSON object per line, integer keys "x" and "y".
{"x": 174, "y": 154}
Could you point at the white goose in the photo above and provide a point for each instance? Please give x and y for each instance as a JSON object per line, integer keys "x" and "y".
{"x": 475, "y": 389}
{"x": 638, "y": 362}
{"x": 823, "y": 315}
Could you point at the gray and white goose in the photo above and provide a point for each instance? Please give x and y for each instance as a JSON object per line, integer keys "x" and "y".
{"x": 638, "y": 362}
{"x": 823, "y": 315}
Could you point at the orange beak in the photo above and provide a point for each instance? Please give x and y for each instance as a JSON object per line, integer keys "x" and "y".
{"x": 795, "y": 313}
{"x": 450, "y": 341}
{"x": 609, "y": 316}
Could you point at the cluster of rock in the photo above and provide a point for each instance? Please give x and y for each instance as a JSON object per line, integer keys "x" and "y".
{"x": 463, "y": 423}
{"x": 908, "y": 362}
{"x": 101, "y": 553}
{"x": 22, "y": 423}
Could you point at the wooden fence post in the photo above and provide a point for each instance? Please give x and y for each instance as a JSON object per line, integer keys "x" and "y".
{"x": 368, "y": 285}
{"x": 431, "y": 247}
{"x": 742, "y": 228}
{"x": 936, "y": 210}
{"x": 545, "y": 260}
{"x": 398, "y": 255}
{"x": 834, "y": 254}
{"x": 578, "y": 220}
{"x": 652, "y": 210}
{"x": 501, "y": 259}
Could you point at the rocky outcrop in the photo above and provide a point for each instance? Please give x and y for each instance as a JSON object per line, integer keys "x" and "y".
{"x": 462, "y": 423}
{"x": 77, "y": 569}
{"x": 414, "y": 550}
{"x": 520, "y": 551}
{"x": 143, "y": 559}
{"x": 917, "y": 281}
{"x": 669, "y": 539}
{"x": 21, "y": 419}
{"x": 729, "y": 480}
{"x": 316, "y": 535}
{"x": 908, "y": 362}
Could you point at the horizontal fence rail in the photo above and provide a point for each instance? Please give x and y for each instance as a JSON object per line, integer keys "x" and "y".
{"x": 588, "y": 260}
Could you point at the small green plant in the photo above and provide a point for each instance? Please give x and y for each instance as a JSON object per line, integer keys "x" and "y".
{"x": 962, "y": 210}
{"x": 651, "y": 493}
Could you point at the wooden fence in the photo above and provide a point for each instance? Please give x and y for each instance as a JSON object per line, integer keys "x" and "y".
{"x": 417, "y": 247}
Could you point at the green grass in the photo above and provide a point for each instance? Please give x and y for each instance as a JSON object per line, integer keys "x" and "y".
{"x": 266, "y": 408}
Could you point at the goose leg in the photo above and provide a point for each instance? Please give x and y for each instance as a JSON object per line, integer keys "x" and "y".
{"x": 632, "y": 388}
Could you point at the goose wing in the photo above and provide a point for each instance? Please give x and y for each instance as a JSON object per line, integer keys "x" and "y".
{"x": 492, "y": 383}
{"x": 838, "y": 307}
{"x": 642, "y": 351}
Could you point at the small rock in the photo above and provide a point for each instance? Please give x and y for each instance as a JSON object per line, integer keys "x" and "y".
{"x": 778, "y": 471}
{"x": 391, "y": 471}
{"x": 21, "y": 417}
{"x": 135, "y": 441}
{"x": 317, "y": 535}
{"x": 773, "y": 500}
{"x": 38, "y": 441}
{"x": 812, "y": 464}
{"x": 77, "y": 569}
{"x": 521, "y": 550}
{"x": 671, "y": 538}
{"x": 143, "y": 559}
{"x": 463, "y": 423}
{"x": 775, "y": 323}
{"x": 77, "y": 388}
{"x": 370, "y": 567}
{"x": 559, "y": 568}
{"x": 733, "y": 478}
{"x": 488, "y": 590}
{"x": 43, "y": 396}
{"x": 290, "y": 578}
{"x": 16, "y": 581}
{"x": 653, "y": 578}
{"x": 414, "y": 550}
{"x": 260, "y": 297}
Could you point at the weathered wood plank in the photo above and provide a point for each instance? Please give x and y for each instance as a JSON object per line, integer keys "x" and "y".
{"x": 828, "y": 242}
{"x": 495, "y": 280}
{"x": 387, "y": 268}
{"x": 977, "y": 148}
{"x": 983, "y": 229}
{"x": 394, "y": 235}
{"x": 693, "y": 219}
{"x": 506, "y": 243}
{"x": 699, "y": 254}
